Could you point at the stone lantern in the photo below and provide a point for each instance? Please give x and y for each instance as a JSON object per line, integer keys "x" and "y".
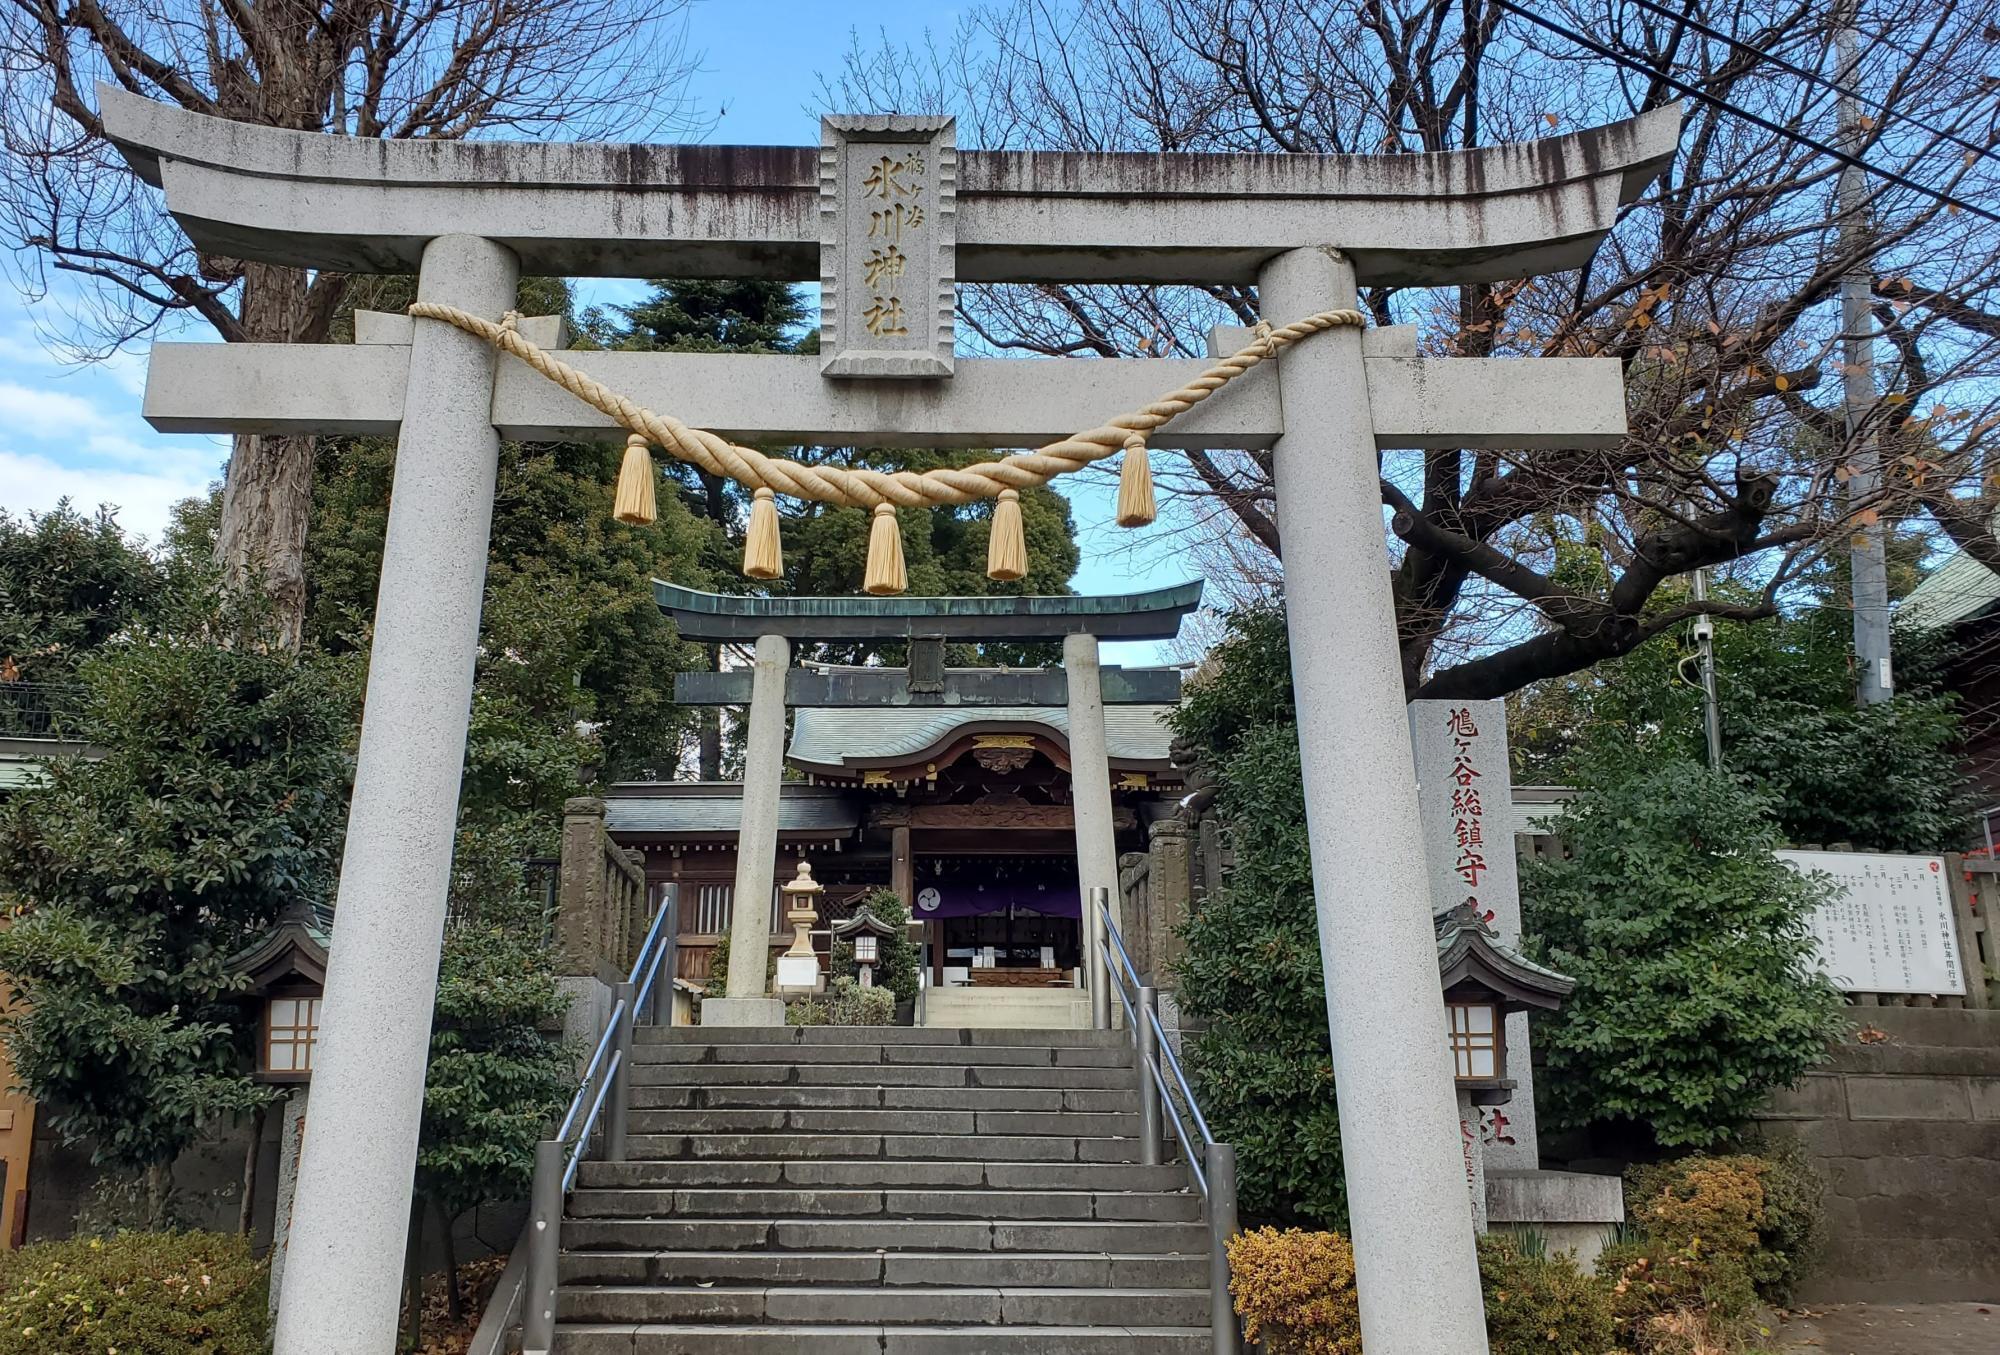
{"x": 1485, "y": 982}
{"x": 287, "y": 972}
{"x": 866, "y": 933}
{"x": 798, "y": 967}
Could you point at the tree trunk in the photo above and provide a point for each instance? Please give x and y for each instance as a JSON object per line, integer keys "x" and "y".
{"x": 159, "y": 1194}
{"x": 454, "y": 1305}
{"x": 413, "y": 1279}
{"x": 267, "y": 493}
{"x": 710, "y": 768}
{"x": 246, "y": 1213}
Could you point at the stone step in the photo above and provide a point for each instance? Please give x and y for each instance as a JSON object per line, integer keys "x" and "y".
{"x": 951, "y": 1269}
{"x": 797, "y": 1097}
{"x": 780, "y": 1202}
{"x": 881, "y": 1075}
{"x": 828, "y": 1305}
{"x": 889, "y": 1235}
{"x": 876, "y": 1035}
{"x": 699, "y": 1339}
{"x": 884, "y": 1172}
{"x": 762, "y": 1146}
{"x": 955, "y": 1055}
{"x": 814, "y": 1121}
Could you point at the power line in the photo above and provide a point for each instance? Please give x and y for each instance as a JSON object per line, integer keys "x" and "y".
{"x": 1703, "y": 96}
{"x": 1766, "y": 55}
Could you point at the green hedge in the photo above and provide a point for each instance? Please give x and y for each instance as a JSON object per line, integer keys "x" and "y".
{"x": 134, "y": 1294}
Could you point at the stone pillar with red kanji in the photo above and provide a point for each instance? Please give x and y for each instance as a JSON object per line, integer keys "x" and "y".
{"x": 1465, "y": 797}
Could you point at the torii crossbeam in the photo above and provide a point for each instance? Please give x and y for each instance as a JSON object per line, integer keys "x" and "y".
{"x": 469, "y": 218}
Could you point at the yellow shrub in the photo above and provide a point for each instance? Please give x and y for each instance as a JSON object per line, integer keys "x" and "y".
{"x": 1295, "y": 1291}
{"x": 1709, "y": 1204}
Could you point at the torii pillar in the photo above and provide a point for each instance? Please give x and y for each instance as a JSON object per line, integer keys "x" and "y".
{"x": 350, "y": 1215}
{"x": 1399, "y": 1135}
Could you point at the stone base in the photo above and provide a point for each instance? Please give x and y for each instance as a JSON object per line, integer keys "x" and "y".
{"x": 588, "y": 1011}
{"x": 1573, "y": 1212}
{"x": 743, "y": 1011}
{"x": 1007, "y": 1008}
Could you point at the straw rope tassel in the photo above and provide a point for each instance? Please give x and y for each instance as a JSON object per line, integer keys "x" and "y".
{"x": 1007, "y": 541}
{"x": 634, "y": 503}
{"x": 886, "y": 576}
{"x": 763, "y": 555}
{"x": 1135, "y": 485}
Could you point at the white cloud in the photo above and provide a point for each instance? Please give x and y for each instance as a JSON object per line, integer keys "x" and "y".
{"x": 40, "y": 412}
{"x": 31, "y": 483}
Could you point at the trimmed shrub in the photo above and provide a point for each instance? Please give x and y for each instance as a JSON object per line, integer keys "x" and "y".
{"x": 845, "y": 1003}
{"x": 1714, "y": 1202}
{"x": 1766, "y": 1209}
{"x": 1542, "y": 1304}
{"x": 1688, "y": 1283}
{"x": 135, "y": 1293}
{"x": 1295, "y": 1291}
{"x": 1792, "y": 1237}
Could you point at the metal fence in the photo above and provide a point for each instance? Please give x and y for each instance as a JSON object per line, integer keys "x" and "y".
{"x": 41, "y": 710}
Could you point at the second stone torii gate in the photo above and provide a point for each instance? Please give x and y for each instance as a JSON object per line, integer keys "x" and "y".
{"x": 1307, "y": 230}
{"x": 926, "y": 623}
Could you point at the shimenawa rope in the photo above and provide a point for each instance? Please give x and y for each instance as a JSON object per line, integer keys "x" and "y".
{"x": 862, "y": 487}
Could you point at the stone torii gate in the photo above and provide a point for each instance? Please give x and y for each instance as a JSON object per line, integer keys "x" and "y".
{"x": 469, "y": 217}
{"x": 1082, "y": 686}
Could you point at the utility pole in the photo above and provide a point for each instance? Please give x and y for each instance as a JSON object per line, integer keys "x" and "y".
{"x": 1711, "y": 703}
{"x": 1867, "y": 554}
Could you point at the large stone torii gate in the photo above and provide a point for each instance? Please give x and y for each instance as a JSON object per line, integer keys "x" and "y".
{"x": 470, "y": 217}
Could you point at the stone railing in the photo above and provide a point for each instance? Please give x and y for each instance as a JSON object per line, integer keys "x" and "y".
{"x": 600, "y": 897}
{"x": 1161, "y": 886}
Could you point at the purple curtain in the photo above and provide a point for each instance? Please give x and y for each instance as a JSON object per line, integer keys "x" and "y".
{"x": 965, "y": 898}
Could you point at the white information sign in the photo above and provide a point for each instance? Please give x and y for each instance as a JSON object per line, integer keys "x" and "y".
{"x": 1891, "y": 928}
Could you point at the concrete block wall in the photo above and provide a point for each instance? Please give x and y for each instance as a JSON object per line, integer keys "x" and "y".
{"x": 1904, "y": 1124}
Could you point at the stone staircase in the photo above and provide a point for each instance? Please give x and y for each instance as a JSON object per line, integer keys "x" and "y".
{"x": 883, "y": 1190}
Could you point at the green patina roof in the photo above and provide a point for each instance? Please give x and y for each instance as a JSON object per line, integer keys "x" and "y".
{"x": 1152, "y": 615}
{"x": 1958, "y": 590}
{"x": 714, "y": 809}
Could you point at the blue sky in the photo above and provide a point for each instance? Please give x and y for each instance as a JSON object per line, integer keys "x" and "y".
{"x": 74, "y": 430}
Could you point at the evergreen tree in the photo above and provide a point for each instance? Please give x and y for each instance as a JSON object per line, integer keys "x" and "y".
{"x": 68, "y": 583}
{"x": 131, "y": 878}
{"x": 1883, "y": 777}
{"x": 1696, "y": 996}
{"x": 711, "y": 315}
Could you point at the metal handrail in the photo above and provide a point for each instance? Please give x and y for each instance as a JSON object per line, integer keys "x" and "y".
{"x": 603, "y": 1089}
{"x": 589, "y": 1077}
{"x": 590, "y": 1122}
{"x": 1213, "y": 1166}
{"x": 1166, "y": 1057}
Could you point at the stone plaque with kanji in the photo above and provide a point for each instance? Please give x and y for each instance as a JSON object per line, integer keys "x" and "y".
{"x": 887, "y": 236}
